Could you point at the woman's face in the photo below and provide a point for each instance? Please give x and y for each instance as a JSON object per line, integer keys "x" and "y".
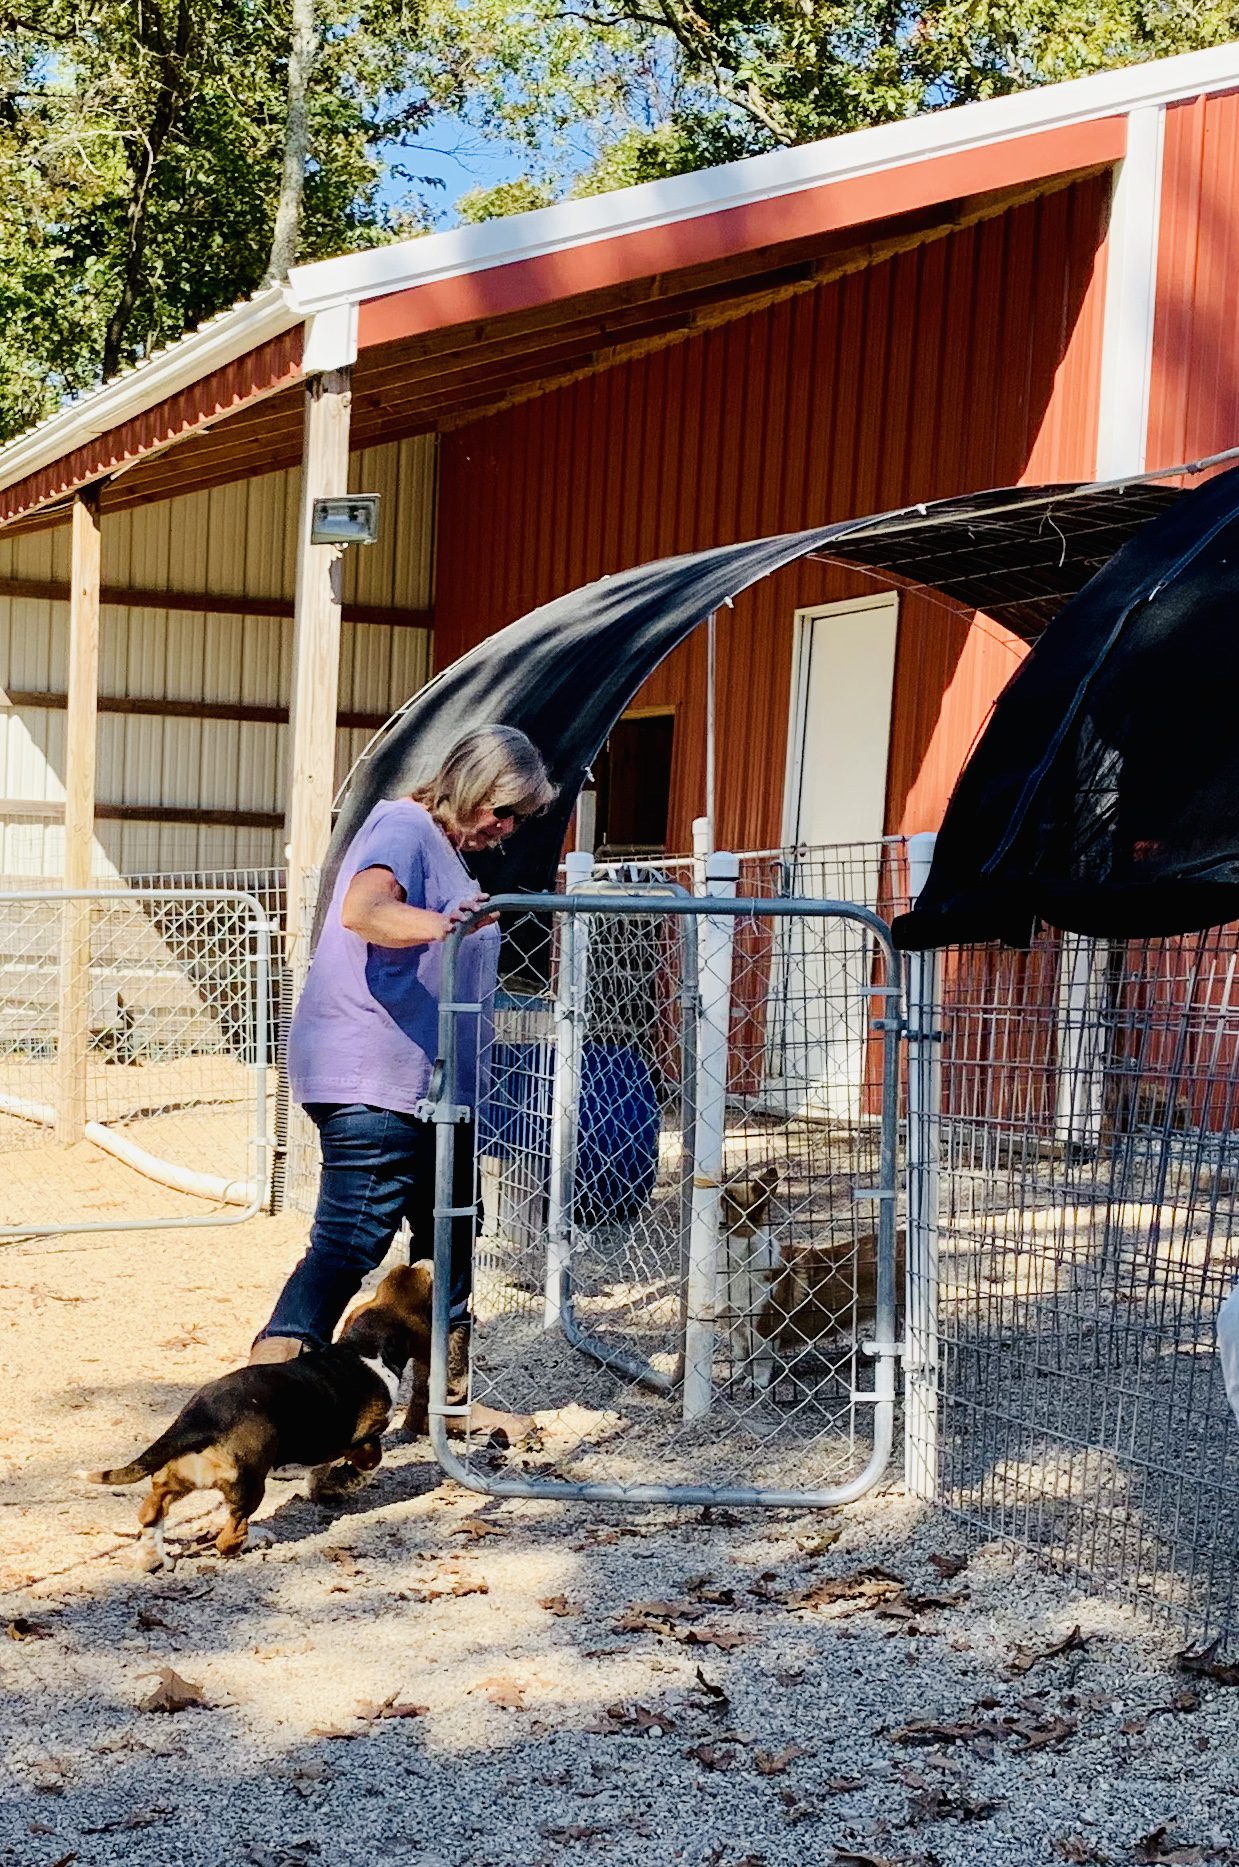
{"x": 490, "y": 823}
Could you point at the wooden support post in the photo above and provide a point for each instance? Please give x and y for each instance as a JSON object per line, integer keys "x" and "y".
{"x": 73, "y": 1032}
{"x": 316, "y": 650}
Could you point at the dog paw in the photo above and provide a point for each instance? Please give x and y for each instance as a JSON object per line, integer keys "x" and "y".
{"x": 152, "y": 1561}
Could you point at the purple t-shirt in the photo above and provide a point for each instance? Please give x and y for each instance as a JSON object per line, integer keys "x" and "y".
{"x": 366, "y": 1027}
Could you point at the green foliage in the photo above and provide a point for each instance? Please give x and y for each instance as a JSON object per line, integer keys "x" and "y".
{"x": 140, "y": 152}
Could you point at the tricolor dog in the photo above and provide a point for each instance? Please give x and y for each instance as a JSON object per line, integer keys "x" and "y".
{"x": 329, "y": 1405}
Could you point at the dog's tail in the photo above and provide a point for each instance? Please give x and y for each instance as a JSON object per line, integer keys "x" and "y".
{"x": 170, "y": 1445}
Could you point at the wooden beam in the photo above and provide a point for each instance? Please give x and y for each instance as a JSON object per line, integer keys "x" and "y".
{"x": 316, "y": 646}
{"x": 204, "y": 816}
{"x": 73, "y": 1024}
{"x": 210, "y": 603}
{"x": 169, "y": 709}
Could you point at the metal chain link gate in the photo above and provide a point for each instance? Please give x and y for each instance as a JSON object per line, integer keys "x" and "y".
{"x": 684, "y": 1141}
{"x": 134, "y": 1020}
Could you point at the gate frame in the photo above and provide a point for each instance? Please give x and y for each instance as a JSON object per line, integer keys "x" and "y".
{"x": 261, "y": 1140}
{"x": 442, "y": 1108}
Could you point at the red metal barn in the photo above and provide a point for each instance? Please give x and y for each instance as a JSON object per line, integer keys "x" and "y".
{"x": 1032, "y": 289}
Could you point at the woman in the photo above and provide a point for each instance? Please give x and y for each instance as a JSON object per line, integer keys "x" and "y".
{"x": 365, "y": 1033}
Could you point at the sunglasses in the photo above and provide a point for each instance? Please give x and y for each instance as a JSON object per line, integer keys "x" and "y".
{"x": 511, "y": 813}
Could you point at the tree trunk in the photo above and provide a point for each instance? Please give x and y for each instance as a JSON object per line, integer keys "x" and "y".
{"x": 172, "y": 65}
{"x": 301, "y": 51}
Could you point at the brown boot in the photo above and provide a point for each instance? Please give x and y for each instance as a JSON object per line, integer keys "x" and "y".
{"x": 501, "y": 1429}
{"x": 270, "y": 1349}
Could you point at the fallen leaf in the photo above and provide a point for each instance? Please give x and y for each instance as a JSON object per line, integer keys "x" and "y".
{"x": 725, "y": 1638}
{"x": 137, "y": 1818}
{"x": 867, "y": 1586}
{"x": 393, "y": 1706}
{"x": 710, "y": 1757}
{"x": 636, "y": 1720}
{"x": 21, "y": 1627}
{"x": 337, "y": 1732}
{"x": 1157, "y": 1846}
{"x": 477, "y": 1527}
{"x": 172, "y": 1693}
{"x": 847, "y": 1857}
{"x": 775, "y": 1762}
{"x": 1025, "y": 1658}
{"x": 573, "y": 1831}
{"x": 948, "y": 1566}
{"x": 560, "y": 1605}
{"x": 922, "y": 1604}
{"x": 508, "y": 1694}
{"x": 819, "y": 1542}
{"x": 64, "y": 1860}
{"x": 715, "y": 1699}
{"x": 843, "y": 1785}
{"x": 148, "y": 1622}
{"x": 468, "y": 1585}
{"x": 1206, "y": 1665}
{"x": 1073, "y": 1848}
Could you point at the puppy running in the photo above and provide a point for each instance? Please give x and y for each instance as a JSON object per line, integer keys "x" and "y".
{"x": 331, "y": 1404}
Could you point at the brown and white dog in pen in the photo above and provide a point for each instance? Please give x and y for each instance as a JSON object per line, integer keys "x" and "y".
{"x": 326, "y": 1407}
{"x": 783, "y": 1303}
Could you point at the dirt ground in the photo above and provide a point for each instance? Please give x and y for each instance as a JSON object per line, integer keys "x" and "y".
{"x": 427, "y": 1677}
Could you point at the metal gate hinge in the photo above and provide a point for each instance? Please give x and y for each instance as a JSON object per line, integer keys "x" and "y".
{"x": 861, "y": 1193}
{"x": 899, "y": 1349}
{"x": 427, "y": 1110}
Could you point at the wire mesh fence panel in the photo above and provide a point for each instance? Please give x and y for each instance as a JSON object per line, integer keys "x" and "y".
{"x": 688, "y": 1224}
{"x": 1087, "y": 1235}
{"x": 133, "y": 1058}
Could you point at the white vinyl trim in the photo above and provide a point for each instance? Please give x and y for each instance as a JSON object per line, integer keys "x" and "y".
{"x": 353, "y": 277}
{"x": 1131, "y": 299}
{"x": 165, "y": 373}
{"x": 383, "y": 269}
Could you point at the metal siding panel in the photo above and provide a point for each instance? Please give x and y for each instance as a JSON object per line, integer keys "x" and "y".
{"x": 889, "y": 384}
{"x": 1194, "y": 393}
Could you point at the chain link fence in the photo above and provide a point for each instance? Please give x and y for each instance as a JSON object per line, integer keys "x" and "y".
{"x": 1086, "y": 1234}
{"x": 134, "y": 1079}
{"x": 685, "y": 1154}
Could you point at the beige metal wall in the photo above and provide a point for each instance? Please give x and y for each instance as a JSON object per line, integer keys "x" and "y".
{"x": 232, "y": 540}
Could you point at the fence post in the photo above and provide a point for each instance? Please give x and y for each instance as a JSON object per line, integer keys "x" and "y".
{"x": 924, "y": 1125}
{"x": 1081, "y": 1042}
{"x": 714, "y": 960}
{"x": 566, "y": 1088}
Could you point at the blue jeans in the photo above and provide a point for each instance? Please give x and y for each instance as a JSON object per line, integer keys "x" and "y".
{"x": 378, "y": 1170}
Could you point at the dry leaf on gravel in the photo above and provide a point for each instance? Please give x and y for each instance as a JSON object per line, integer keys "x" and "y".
{"x": 1157, "y": 1846}
{"x": 775, "y": 1762}
{"x": 1025, "y": 1658}
{"x": 137, "y": 1818}
{"x": 21, "y": 1627}
{"x": 332, "y": 1733}
{"x": 508, "y": 1694}
{"x": 725, "y": 1638}
{"x": 715, "y": 1699}
{"x": 818, "y": 1542}
{"x": 393, "y": 1706}
{"x": 848, "y": 1857}
{"x": 172, "y": 1693}
{"x": 866, "y": 1586}
{"x": 843, "y": 1785}
{"x": 573, "y": 1831}
{"x": 710, "y": 1757}
{"x": 559, "y": 1605}
{"x": 948, "y": 1566}
{"x": 477, "y": 1527}
{"x": 1074, "y": 1848}
{"x": 631, "y": 1720}
{"x": 1206, "y": 1665}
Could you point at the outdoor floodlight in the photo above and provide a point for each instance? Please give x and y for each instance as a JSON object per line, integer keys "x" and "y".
{"x": 353, "y": 520}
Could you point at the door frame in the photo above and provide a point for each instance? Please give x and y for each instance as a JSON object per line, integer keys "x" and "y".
{"x": 797, "y": 719}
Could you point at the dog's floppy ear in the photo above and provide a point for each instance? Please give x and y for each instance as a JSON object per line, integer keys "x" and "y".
{"x": 407, "y": 1289}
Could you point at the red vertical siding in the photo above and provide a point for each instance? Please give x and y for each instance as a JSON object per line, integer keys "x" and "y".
{"x": 968, "y": 362}
{"x": 1194, "y": 393}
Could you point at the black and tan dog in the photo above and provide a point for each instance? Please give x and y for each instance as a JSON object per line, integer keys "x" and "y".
{"x": 327, "y": 1406}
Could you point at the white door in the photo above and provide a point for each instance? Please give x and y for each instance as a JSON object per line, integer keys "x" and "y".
{"x": 843, "y": 672}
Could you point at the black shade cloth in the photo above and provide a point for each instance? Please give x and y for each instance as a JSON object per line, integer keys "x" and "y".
{"x": 565, "y": 673}
{"x": 1103, "y": 796}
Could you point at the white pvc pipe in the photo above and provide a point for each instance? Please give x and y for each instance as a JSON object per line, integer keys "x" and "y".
{"x": 28, "y": 1111}
{"x": 924, "y": 1119}
{"x": 205, "y": 1185}
{"x": 716, "y": 942}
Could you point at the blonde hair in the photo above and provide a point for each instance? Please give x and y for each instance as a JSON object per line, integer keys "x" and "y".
{"x": 491, "y": 765}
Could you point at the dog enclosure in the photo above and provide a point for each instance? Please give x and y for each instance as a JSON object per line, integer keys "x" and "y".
{"x": 687, "y": 1151}
{"x": 1061, "y": 1237}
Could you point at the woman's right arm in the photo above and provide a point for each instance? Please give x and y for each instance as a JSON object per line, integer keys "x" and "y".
{"x": 374, "y": 907}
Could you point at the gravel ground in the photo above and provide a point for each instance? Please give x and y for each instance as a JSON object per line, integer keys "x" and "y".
{"x": 431, "y": 1679}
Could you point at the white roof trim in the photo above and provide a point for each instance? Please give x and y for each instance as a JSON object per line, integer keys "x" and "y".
{"x": 165, "y": 373}
{"x": 354, "y": 277}
{"x": 379, "y": 270}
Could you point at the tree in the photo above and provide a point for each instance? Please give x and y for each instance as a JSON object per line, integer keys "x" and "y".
{"x": 604, "y": 92}
{"x": 147, "y": 148}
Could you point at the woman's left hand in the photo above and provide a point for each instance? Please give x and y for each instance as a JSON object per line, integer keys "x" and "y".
{"x": 463, "y": 910}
